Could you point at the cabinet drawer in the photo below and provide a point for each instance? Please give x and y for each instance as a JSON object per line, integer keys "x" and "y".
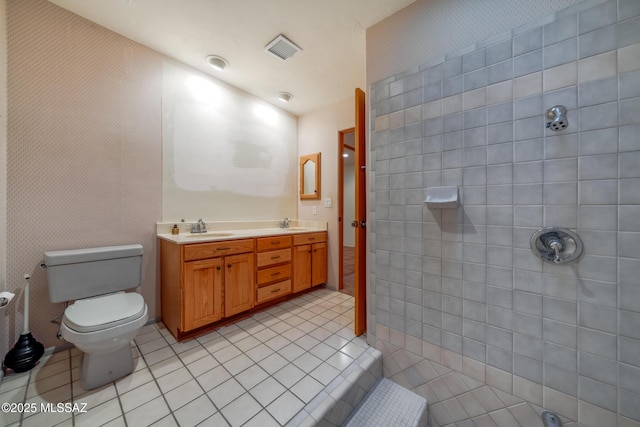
{"x": 305, "y": 239}
{"x": 216, "y": 249}
{"x": 276, "y": 290}
{"x": 273, "y": 257}
{"x": 274, "y": 273}
{"x": 275, "y": 242}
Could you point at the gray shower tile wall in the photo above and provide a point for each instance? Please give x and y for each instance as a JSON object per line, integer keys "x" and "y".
{"x": 462, "y": 285}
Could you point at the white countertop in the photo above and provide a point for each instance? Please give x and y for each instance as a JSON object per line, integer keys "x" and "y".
{"x": 217, "y": 231}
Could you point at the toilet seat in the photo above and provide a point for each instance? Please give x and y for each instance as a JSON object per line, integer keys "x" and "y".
{"x": 105, "y": 311}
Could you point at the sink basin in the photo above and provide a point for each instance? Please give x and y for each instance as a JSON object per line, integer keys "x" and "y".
{"x": 297, "y": 228}
{"x": 212, "y": 234}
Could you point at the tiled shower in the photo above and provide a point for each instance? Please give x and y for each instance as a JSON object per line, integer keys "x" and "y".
{"x": 461, "y": 287}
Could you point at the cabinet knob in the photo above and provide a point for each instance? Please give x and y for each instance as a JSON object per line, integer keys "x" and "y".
{"x": 228, "y": 265}
{"x": 218, "y": 268}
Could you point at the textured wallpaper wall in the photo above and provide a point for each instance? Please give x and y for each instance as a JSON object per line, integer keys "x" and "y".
{"x": 84, "y": 149}
{"x": 3, "y": 169}
{"x": 461, "y": 287}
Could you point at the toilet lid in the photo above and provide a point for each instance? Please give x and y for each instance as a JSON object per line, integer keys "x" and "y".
{"x": 106, "y": 311}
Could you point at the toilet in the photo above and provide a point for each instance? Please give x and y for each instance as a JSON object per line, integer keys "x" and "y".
{"x": 103, "y": 319}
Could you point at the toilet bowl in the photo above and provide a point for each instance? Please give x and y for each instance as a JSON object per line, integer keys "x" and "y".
{"x": 102, "y": 328}
{"x": 103, "y": 319}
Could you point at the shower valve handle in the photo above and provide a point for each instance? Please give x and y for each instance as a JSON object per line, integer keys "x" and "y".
{"x": 556, "y": 245}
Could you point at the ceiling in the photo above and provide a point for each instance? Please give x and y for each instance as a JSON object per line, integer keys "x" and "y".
{"x": 331, "y": 34}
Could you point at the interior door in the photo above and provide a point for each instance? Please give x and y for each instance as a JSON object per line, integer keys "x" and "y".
{"x": 360, "y": 286}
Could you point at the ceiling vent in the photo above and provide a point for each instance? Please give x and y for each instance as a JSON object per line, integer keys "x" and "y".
{"x": 282, "y": 48}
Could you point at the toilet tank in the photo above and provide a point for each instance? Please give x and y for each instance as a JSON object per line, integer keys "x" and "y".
{"x": 82, "y": 273}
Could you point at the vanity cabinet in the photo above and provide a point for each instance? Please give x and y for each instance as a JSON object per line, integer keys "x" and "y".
{"x": 205, "y": 282}
{"x": 309, "y": 260}
{"x": 273, "y": 262}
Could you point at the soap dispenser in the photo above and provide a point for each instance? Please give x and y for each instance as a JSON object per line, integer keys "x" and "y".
{"x": 175, "y": 229}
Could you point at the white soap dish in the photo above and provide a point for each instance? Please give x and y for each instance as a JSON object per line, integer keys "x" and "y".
{"x": 442, "y": 197}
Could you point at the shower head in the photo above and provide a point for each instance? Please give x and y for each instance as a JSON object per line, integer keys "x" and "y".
{"x": 558, "y": 116}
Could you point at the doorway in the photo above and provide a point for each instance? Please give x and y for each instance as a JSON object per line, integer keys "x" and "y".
{"x": 347, "y": 210}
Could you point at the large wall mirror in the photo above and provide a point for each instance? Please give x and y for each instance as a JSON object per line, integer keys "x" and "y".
{"x": 310, "y": 176}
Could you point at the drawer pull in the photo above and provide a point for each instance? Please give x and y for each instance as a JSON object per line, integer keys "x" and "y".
{"x": 275, "y": 242}
{"x": 275, "y": 291}
{"x": 223, "y": 249}
{"x": 275, "y": 257}
{"x": 275, "y": 274}
{"x": 312, "y": 238}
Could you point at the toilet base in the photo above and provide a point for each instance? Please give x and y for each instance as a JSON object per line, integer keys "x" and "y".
{"x": 101, "y": 368}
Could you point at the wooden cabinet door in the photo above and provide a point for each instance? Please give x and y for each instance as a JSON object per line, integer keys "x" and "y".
{"x": 318, "y": 264}
{"x": 239, "y": 283}
{"x": 201, "y": 293}
{"x": 301, "y": 268}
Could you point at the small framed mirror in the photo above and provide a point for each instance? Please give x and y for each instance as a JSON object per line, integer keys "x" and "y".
{"x": 310, "y": 176}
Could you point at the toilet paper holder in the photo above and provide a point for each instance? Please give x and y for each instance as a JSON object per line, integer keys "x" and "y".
{"x": 5, "y": 299}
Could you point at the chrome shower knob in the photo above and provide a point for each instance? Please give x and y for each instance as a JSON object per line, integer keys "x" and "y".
{"x": 556, "y": 244}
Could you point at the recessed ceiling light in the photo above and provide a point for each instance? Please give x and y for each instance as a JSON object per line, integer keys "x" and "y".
{"x": 217, "y": 62}
{"x": 285, "y": 96}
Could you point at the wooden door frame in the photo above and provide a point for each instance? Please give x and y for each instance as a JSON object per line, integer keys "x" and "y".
{"x": 341, "y": 219}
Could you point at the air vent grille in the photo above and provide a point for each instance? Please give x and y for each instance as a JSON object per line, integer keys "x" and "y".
{"x": 282, "y": 48}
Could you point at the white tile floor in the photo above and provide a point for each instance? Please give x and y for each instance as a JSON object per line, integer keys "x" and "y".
{"x": 260, "y": 371}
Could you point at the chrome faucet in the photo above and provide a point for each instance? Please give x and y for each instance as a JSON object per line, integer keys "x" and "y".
{"x": 199, "y": 227}
{"x": 285, "y": 223}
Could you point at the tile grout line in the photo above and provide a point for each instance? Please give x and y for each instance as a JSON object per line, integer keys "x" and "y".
{"x": 162, "y": 393}
{"x": 73, "y": 399}
{"x": 26, "y": 393}
{"x": 124, "y": 418}
{"x": 291, "y": 362}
